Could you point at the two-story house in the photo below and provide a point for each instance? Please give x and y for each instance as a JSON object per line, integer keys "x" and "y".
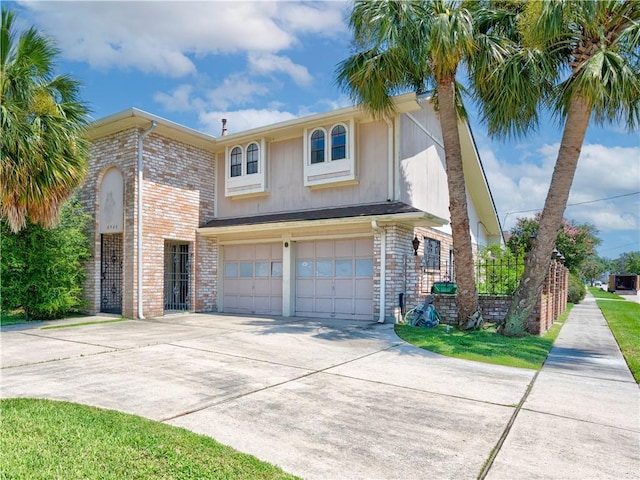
{"x": 313, "y": 217}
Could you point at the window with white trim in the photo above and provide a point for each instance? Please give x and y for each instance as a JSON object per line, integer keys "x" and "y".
{"x": 338, "y": 142}
{"x": 317, "y": 146}
{"x": 246, "y": 169}
{"x": 252, "y": 158}
{"x": 236, "y": 162}
{"x": 329, "y": 155}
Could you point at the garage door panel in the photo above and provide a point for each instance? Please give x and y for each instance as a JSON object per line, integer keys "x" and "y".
{"x": 324, "y": 249}
{"x": 363, "y": 307}
{"x": 344, "y": 248}
{"x": 344, "y": 288}
{"x": 253, "y": 279}
{"x": 363, "y": 247}
{"x": 323, "y": 305}
{"x": 344, "y": 306}
{"x": 324, "y": 288}
{"x": 331, "y": 275}
{"x": 364, "y": 288}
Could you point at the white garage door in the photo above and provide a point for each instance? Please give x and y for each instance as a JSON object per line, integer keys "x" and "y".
{"x": 253, "y": 279}
{"x": 334, "y": 279}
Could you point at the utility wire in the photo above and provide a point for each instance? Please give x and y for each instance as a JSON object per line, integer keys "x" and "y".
{"x": 578, "y": 203}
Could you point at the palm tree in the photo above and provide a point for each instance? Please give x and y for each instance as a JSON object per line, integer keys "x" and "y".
{"x": 579, "y": 59}
{"x": 43, "y": 151}
{"x": 418, "y": 46}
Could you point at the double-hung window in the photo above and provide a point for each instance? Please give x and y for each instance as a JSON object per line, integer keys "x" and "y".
{"x": 338, "y": 142}
{"x": 317, "y": 146}
{"x": 236, "y": 162}
{"x": 252, "y": 158}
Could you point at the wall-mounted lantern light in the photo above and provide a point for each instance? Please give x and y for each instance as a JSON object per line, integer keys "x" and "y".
{"x": 415, "y": 243}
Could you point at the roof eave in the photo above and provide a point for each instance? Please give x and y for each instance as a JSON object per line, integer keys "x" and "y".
{"x": 418, "y": 219}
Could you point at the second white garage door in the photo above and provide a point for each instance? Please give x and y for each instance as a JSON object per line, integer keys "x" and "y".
{"x": 253, "y": 279}
{"x": 334, "y": 279}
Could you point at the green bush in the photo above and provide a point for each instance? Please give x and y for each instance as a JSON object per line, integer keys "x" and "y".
{"x": 498, "y": 270}
{"x": 576, "y": 290}
{"x": 42, "y": 269}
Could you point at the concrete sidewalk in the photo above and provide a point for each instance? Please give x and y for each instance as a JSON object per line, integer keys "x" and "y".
{"x": 581, "y": 419}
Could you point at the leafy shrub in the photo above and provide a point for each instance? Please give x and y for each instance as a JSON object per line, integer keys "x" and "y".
{"x": 576, "y": 290}
{"x": 42, "y": 269}
{"x": 498, "y": 271}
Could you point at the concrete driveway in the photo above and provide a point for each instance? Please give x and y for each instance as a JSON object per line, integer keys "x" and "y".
{"x": 321, "y": 399}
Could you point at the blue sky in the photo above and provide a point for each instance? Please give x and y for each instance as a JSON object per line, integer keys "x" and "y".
{"x": 257, "y": 63}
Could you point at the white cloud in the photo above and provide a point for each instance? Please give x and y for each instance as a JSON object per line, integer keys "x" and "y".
{"x": 179, "y": 100}
{"x": 320, "y": 17}
{"x": 236, "y": 89}
{"x": 603, "y": 172}
{"x": 240, "y": 120}
{"x": 165, "y": 37}
{"x": 266, "y": 63}
{"x": 158, "y": 36}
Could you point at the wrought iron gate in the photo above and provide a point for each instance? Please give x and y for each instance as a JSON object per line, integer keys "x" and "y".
{"x": 176, "y": 276}
{"x": 111, "y": 273}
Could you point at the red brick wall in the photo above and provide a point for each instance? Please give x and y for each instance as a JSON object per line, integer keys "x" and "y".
{"x": 178, "y": 197}
{"x": 550, "y": 306}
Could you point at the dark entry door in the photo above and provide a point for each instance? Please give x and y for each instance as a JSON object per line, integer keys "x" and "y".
{"x": 111, "y": 273}
{"x": 176, "y": 276}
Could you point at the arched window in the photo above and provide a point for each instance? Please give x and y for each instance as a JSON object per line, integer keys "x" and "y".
{"x": 338, "y": 142}
{"x": 317, "y": 146}
{"x": 236, "y": 162}
{"x": 252, "y": 158}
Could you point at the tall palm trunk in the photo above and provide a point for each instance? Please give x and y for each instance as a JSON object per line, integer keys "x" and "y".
{"x": 462, "y": 247}
{"x": 539, "y": 257}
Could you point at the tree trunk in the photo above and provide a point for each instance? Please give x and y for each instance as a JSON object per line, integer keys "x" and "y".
{"x": 467, "y": 299}
{"x": 539, "y": 257}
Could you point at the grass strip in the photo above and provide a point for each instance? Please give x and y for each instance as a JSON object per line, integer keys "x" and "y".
{"x": 485, "y": 345}
{"x": 11, "y": 318}
{"x": 624, "y": 321}
{"x": 597, "y": 293}
{"x": 81, "y": 324}
{"x": 44, "y": 439}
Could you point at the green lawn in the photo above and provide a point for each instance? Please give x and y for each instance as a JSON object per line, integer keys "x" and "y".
{"x": 624, "y": 320}
{"x": 597, "y": 293}
{"x": 485, "y": 345}
{"x": 44, "y": 439}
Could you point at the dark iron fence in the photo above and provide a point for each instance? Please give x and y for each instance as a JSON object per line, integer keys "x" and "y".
{"x": 498, "y": 277}
{"x": 493, "y": 277}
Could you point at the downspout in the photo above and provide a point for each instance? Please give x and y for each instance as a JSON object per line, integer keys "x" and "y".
{"x": 141, "y": 137}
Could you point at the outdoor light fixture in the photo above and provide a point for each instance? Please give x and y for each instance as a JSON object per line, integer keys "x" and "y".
{"x": 416, "y": 243}
{"x": 532, "y": 238}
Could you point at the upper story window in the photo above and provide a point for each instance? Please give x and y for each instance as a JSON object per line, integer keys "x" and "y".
{"x": 329, "y": 154}
{"x": 246, "y": 169}
{"x": 317, "y": 146}
{"x": 252, "y": 158}
{"x": 236, "y": 162}
{"x": 338, "y": 142}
